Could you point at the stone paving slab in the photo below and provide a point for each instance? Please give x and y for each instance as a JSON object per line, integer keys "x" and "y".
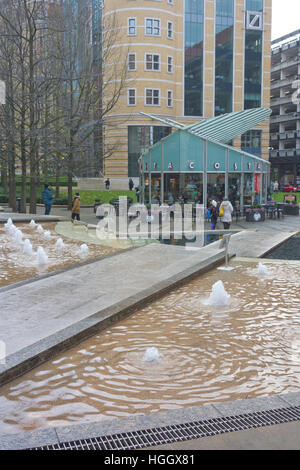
{"x": 139, "y": 422}
{"x": 249, "y": 244}
{"x": 24, "y": 218}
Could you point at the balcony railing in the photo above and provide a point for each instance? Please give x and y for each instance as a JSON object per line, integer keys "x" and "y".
{"x": 290, "y": 135}
{"x": 285, "y": 82}
{"x": 287, "y": 63}
{"x": 285, "y": 117}
{"x": 285, "y": 153}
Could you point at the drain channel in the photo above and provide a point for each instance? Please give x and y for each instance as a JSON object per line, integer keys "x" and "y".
{"x": 181, "y": 432}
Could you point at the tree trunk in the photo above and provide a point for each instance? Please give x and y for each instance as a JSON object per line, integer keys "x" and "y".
{"x": 23, "y": 187}
{"x": 57, "y": 175}
{"x": 12, "y": 182}
{"x": 4, "y": 182}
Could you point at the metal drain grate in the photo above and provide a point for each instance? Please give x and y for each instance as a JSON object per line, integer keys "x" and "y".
{"x": 181, "y": 432}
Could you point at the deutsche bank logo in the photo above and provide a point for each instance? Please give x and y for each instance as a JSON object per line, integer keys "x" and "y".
{"x": 254, "y": 20}
{"x": 2, "y": 353}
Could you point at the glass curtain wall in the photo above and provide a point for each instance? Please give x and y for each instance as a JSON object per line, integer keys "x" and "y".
{"x": 251, "y": 142}
{"x": 253, "y": 60}
{"x": 224, "y": 56}
{"x": 194, "y": 37}
{"x": 234, "y": 189}
{"x": 140, "y": 138}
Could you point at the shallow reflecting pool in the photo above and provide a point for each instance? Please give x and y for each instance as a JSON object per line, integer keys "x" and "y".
{"x": 17, "y": 266}
{"x": 204, "y": 354}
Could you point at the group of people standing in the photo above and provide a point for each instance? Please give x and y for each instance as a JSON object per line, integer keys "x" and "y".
{"x": 223, "y": 210}
{"x": 48, "y": 199}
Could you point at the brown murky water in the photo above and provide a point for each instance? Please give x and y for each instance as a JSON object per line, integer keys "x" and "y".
{"x": 248, "y": 349}
{"x": 16, "y": 267}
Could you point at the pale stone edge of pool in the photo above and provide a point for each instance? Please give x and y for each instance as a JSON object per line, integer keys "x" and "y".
{"x": 139, "y": 422}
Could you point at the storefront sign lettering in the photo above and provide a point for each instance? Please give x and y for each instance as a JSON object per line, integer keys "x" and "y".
{"x": 192, "y": 165}
{"x": 170, "y": 166}
{"x": 249, "y": 166}
{"x": 235, "y": 167}
{"x": 155, "y": 165}
{"x": 217, "y": 165}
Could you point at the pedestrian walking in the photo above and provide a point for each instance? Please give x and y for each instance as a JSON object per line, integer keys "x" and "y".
{"x": 76, "y": 207}
{"x": 131, "y": 184}
{"x": 225, "y": 212}
{"x": 47, "y": 199}
{"x": 214, "y": 214}
{"x": 107, "y": 184}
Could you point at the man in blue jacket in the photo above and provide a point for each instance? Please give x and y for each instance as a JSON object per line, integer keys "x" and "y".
{"x": 47, "y": 199}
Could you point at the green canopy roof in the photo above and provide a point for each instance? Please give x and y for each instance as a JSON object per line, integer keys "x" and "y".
{"x": 223, "y": 128}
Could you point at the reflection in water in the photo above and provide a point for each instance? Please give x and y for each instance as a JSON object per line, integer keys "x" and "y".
{"x": 208, "y": 354}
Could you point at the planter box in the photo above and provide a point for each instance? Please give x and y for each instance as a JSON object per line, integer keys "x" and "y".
{"x": 291, "y": 210}
{"x": 253, "y": 215}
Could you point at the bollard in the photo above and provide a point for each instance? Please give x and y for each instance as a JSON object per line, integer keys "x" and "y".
{"x": 19, "y": 204}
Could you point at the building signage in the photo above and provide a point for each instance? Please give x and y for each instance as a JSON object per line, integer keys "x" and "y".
{"x": 217, "y": 165}
{"x": 254, "y": 20}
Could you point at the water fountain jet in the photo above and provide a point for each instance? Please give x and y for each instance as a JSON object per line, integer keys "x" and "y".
{"x": 84, "y": 249}
{"x": 262, "y": 270}
{"x": 27, "y": 249}
{"x": 59, "y": 243}
{"x": 42, "y": 257}
{"x": 152, "y": 355}
{"x": 219, "y": 297}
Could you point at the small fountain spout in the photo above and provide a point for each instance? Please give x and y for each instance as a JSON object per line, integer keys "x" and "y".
{"x": 219, "y": 297}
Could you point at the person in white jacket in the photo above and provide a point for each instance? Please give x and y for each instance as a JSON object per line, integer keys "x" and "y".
{"x": 227, "y": 217}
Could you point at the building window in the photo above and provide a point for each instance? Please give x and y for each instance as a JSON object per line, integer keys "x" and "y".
{"x": 152, "y": 27}
{"x": 132, "y": 26}
{"x": 193, "y": 73}
{"x": 170, "y": 30}
{"x": 131, "y": 97}
{"x": 140, "y": 138}
{"x": 224, "y": 56}
{"x": 170, "y": 98}
{"x": 132, "y": 62}
{"x": 253, "y": 69}
{"x": 170, "y": 64}
{"x": 152, "y": 97}
{"x": 153, "y": 62}
{"x": 251, "y": 142}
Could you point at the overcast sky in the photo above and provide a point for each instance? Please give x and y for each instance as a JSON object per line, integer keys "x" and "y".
{"x": 286, "y": 17}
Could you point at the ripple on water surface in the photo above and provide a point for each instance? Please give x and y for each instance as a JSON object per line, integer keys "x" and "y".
{"x": 247, "y": 349}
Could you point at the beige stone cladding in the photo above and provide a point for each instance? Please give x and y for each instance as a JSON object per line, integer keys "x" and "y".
{"x": 151, "y": 35}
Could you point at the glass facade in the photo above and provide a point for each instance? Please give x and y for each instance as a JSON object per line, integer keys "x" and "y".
{"x": 194, "y": 37}
{"x": 251, "y": 142}
{"x": 253, "y": 60}
{"x": 224, "y": 56}
{"x": 254, "y": 5}
{"x": 253, "y": 69}
{"x": 140, "y": 138}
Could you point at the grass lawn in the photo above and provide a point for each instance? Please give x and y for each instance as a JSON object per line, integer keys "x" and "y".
{"x": 88, "y": 197}
{"x": 279, "y": 197}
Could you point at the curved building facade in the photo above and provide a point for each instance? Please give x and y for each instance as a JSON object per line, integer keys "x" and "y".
{"x": 186, "y": 60}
